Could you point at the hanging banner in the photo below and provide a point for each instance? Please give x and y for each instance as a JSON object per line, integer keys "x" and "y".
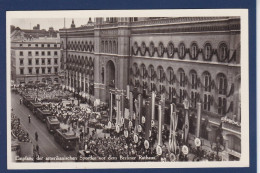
{"x": 160, "y": 125}
{"x": 163, "y": 107}
{"x": 127, "y": 91}
{"x": 148, "y": 119}
{"x": 186, "y": 126}
{"x": 173, "y": 127}
{"x": 153, "y": 104}
{"x": 198, "y": 119}
{"x": 131, "y": 105}
{"x": 140, "y": 106}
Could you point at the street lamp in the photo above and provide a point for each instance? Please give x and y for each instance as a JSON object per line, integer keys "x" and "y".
{"x": 218, "y": 147}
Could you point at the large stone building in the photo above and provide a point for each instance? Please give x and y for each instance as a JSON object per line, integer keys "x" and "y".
{"x": 185, "y": 58}
{"x": 34, "y": 59}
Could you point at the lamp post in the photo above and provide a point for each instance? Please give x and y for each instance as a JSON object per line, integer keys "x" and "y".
{"x": 218, "y": 147}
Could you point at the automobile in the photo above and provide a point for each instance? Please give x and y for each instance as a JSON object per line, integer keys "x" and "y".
{"x": 67, "y": 139}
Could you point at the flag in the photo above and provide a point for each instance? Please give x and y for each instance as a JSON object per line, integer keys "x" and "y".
{"x": 173, "y": 126}
{"x": 186, "y": 126}
{"x": 148, "y": 119}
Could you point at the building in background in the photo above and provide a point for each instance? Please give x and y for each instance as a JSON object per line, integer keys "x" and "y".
{"x": 34, "y": 59}
{"x": 185, "y": 58}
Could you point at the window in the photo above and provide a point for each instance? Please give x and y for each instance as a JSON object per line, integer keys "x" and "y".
{"x": 56, "y": 61}
{"x": 43, "y": 53}
{"x": 30, "y": 70}
{"x": 151, "y": 49}
{"x": 222, "y": 52}
{"x": 37, "y": 61}
{"x": 207, "y": 51}
{"x": 182, "y": 51}
{"x": 21, "y": 53}
{"x": 43, "y": 70}
{"x": 207, "y": 82}
{"x": 56, "y": 70}
{"x": 36, "y": 45}
{"x": 193, "y": 99}
{"x": 43, "y": 61}
{"x": 207, "y": 100}
{"x": 193, "y": 80}
{"x": 182, "y": 95}
{"x": 160, "y": 49}
{"x": 55, "y": 45}
{"x": 49, "y": 53}
{"x": 29, "y": 45}
{"x": 42, "y": 45}
{"x": 170, "y": 49}
{"x": 37, "y": 71}
{"x": 55, "y": 53}
{"x": 49, "y": 70}
{"x": 36, "y": 53}
{"x": 29, "y": 53}
{"x": 29, "y": 61}
{"x": 222, "y": 84}
{"x": 161, "y": 75}
{"x": 49, "y": 45}
{"x": 21, "y": 45}
{"x": 171, "y": 76}
{"x": 182, "y": 78}
{"x": 152, "y": 73}
{"x": 21, "y": 61}
{"x": 21, "y": 71}
{"x": 49, "y": 61}
{"x": 222, "y": 105}
{"x": 194, "y": 51}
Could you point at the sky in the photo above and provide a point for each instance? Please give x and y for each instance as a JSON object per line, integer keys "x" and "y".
{"x": 56, "y": 23}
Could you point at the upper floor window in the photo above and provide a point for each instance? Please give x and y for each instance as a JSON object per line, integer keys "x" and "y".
{"x": 143, "y": 48}
{"x": 49, "y": 53}
{"x": 56, "y": 61}
{"x": 21, "y": 71}
{"x": 171, "y": 76}
{"x": 170, "y": 49}
{"x": 222, "y": 84}
{"x": 194, "y": 51}
{"x": 182, "y": 51}
{"x": 29, "y": 61}
{"x": 193, "y": 80}
{"x": 30, "y": 70}
{"x": 37, "y": 61}
{"x": 29, "y": 45}
{"x": 42, "y": 45}
{"x": 21, "y": 61}
{"x": 182, "y": 78}
{"x": 49, "y": 61}
{"x": 43, "y": 53}
{"x": 36, "y": 53}
{"x": 55, "y": 53}
{"x": 55, "y": 45}
{"x": 36, "y": 45}
{"x": 207, "y": 82}
{"x": 21, "y": 45}
{"x": 29, "y": 53}
{"x": 21, "y": 53}
{"x": 223, "y": 52}
{"x": 207, "y": 51}
{"x": 49, "y": 45}
{"x": 160, "y": 49}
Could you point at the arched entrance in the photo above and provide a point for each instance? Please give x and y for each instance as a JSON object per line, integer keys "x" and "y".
{"x": 110, "y": 77}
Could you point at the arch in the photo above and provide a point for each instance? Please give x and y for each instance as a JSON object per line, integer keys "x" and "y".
{"x": 151, "y": 49}
{"x": 160, "y": 49}
{"x": 110, "y": 47}
{"x": 110, "y": 74}
{"x": 86, "y": 45}
{"x": 207, "y": 51}
{"x": 170, "y": 74}
{"x": 106, "y": 46}
{"x": 222, "y": 51}
{"x": 114, "y": 47}
{"x": 143, "y": 48}
{"x": 194, "y": 50}
{"x": 222, "y": 83}
{"x": 182, "y": 51}
{"x": 135, "y": 48}
{"x": 170, "y": 49}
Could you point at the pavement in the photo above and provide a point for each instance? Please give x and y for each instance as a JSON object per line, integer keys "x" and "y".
{"x": 47, "y": 145}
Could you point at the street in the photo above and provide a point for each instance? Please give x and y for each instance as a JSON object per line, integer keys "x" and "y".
{"x": 47, "y": 145}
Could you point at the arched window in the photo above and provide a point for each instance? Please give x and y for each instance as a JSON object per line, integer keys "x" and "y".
{"x": 171, "y": 82}
{"x": 222, "y": 52}
{"x": 114, "y": 47}
{"x": 193, "y": 79}
{"x": 152, "y": 77}
{"x": 151, "y": 49}
{"x": 170, "y": 49}
{"x": 207, "y": 96}
{"x": 160, "y": 49}
{"x": 135, "y": 48}
{"x": 86, "y": 46}
{"x": 143, "y": 71}
{"x": 79, "y": 46}
{"x": 194, "y": 91}
{"x": 102, "y": 46}
{"x": 194, "y": 51}
{"x": 110, "y": 47}
{"x": 90, "y": 46}
{"x": 182, "y": 85}
{"x": 207, "y": 51}
{"x": 143, "y": 49}
{"x": 222, "y": 87}
{"x": 82, "y": 46}
{"x": 106, "y": 46}
{"x": 182, "y": 51}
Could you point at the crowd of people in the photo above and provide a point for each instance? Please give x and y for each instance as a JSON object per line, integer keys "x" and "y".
{"x": 113, "y": 144}
{"x": 17, "y": 131}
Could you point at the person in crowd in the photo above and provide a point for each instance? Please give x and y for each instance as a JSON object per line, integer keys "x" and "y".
{"x": 36, "y": 136}
{"x": 29, "y": 118}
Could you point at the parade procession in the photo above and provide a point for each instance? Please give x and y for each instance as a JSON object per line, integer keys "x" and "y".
{"x": 121, "y": 89}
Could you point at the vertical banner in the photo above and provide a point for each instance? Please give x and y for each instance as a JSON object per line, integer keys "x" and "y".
{"x": 127, "y": 91}
{"x": 148, "y": 119}
{"x": 163, "y": 107}
{"x": 117, "y": 110}
{"x": 122, "y": 105}
{"x": 173, "y": 126}
{"x": 160, "y": 125}
{"x": 153, "y": 104}
{"x": 140, "y": 105}
{"x": 136, "y": 113}
{"x": 186, "y": 125}
{"x": 111, "y": 107}
{"x": 198, "y": 119}
{"x": 131, "y": 106}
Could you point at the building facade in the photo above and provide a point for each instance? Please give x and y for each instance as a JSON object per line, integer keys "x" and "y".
{"x": 185, "y": 58}
{"x": 35, "y": 60}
